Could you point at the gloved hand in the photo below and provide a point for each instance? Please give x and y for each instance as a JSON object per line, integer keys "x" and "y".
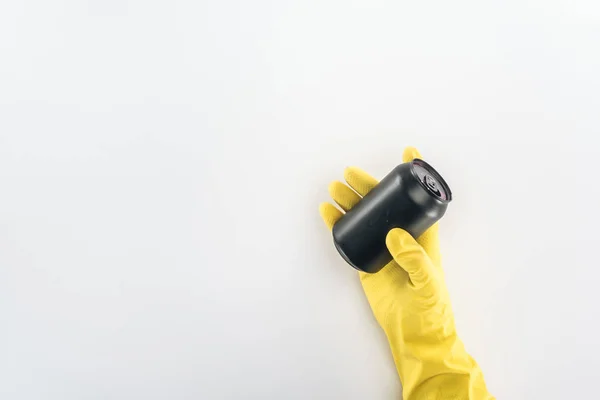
{"x": 410, "y": 301}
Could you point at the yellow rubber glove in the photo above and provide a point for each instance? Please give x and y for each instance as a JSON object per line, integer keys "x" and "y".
{"x": 411, "y": 303}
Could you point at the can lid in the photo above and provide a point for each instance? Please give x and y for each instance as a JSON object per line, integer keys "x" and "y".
{"x": 431, "y": 180}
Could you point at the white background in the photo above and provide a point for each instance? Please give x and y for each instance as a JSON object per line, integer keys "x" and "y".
{"x": 161, "y": 165}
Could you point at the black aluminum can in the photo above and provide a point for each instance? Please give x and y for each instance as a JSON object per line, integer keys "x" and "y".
{"x": 413, "y": 197}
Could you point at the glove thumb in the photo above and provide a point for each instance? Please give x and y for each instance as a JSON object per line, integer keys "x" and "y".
{"x": 410, "y": 256}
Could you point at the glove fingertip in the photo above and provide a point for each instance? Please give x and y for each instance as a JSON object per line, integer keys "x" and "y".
{"x": 329, "y": 214}
{"x": 395, "y": 238}
{"x": 410, "y": 153}
{"x": 350, "y": 172}
{"x": 401, "y": 244}
{"x": 333, "y": 188}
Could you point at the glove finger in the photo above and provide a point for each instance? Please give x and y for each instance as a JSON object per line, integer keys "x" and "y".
{"x": 359, "y": 180}
{"x": 410, "y": 256}
{"x": 410, "y": 153}
{"x": 343, "y": 195}
{"x": 330, "y": 214}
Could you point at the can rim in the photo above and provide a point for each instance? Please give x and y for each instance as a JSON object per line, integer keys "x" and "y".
{"x": 436, "y": 175}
